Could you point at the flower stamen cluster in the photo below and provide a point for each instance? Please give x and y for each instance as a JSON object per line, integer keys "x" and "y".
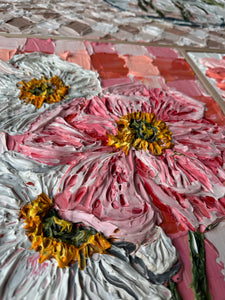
{"x": 141, "y": 130}
{"x": 54, "y": 237}
{"x": 43, "y": 90}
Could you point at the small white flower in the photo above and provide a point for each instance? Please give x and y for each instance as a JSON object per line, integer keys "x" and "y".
{"x": 16, "y": 116}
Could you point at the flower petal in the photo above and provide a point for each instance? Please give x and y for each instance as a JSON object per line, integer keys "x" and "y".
{"x": 168, "y": 105}
{"x": 183, "y": 185}
{"x": 158, "y": 256}
{"x": 86, "y": 128}
{"x": 22, "y": 276}
{"x": 107, "y": 186}
{"x": 114, "y": 275}
{"x": 62, "y": 134}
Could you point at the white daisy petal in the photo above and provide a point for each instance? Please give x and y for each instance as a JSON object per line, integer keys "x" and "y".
{"x": 16, "y": 117}
{"x": 23, "y": 277}
{"x": 28, "y": 178}
{"x": 114, "y": 277}
{"x": 160, "y": 255}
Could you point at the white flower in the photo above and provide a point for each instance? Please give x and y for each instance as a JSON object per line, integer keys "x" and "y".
{"x": 16, "y": 116}
{"x": 22, "y": 277}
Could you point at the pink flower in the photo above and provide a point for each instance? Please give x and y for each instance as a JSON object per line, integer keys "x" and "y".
{"x": 216, "y": 70}
{"x": 121, "y": 195}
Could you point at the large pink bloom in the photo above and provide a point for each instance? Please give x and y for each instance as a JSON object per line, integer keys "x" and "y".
{"x": 125, "y": 196}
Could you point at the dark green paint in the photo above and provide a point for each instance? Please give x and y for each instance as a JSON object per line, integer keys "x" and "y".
{"x": 213, "y": 2}
{"x": 199, "y": 282}
{"x": 172, "y": 286}
{"x": 77, "y": 236}
{"x": 37, "y": 91}
{"x": 138, "y": 125}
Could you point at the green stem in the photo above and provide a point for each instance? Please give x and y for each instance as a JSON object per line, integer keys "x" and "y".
{"x": 199, "y": 282}
{"x": 172, "y": 286}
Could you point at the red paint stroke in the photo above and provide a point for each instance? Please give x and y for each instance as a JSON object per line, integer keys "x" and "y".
{"x": 219, "y": 75}
{"x": 176, "y": 72}
{"x": 109, "y": 65}
{"x": 174, "y": 69}
{"x": 169, "y": 222}
{"x": 213, "y": 111}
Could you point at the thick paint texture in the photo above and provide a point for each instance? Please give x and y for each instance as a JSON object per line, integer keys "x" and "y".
{"x": 34, "y": 65}
{"x": 127, "y": 197}
{"x": 212, "y": 67}
{"x": 216, "y": 70}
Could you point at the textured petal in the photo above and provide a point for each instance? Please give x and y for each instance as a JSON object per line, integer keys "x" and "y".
{"x": 3, "y": 146}
{"x": 182, "y": 191}
{"x": 189, "y": 179}
{"x": 82, "y": 82}
{"x": 105, "y": 277}
{"x": 63, "y": 133}
{"x": 168, "y": 105}
{"x": 158, "y": 256}
{"x": 21, "y": 276}
{"x": 88, "y": 126}
{"x": 107, "y": 186}
{"x": 182, "y": 172}
{"x": 21, "y": 180}
{"x": 203, "y": 139}
{"x": 114, "y": 277}
{"x": 28, "y": 178}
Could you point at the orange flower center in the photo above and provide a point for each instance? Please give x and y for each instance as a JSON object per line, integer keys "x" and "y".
{"x": 37, "y": 92}
{"x": 54, "y": 237}
{"x": 141, "y": 130}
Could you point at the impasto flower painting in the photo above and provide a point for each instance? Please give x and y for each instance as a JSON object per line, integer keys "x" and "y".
{"x": 110, "y": 183}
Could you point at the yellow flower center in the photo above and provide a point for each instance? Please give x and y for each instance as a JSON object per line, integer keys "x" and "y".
{"x": 37, "y": 92}
{"x": 141, "y": 130}
{"x": 54, "y": 237}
